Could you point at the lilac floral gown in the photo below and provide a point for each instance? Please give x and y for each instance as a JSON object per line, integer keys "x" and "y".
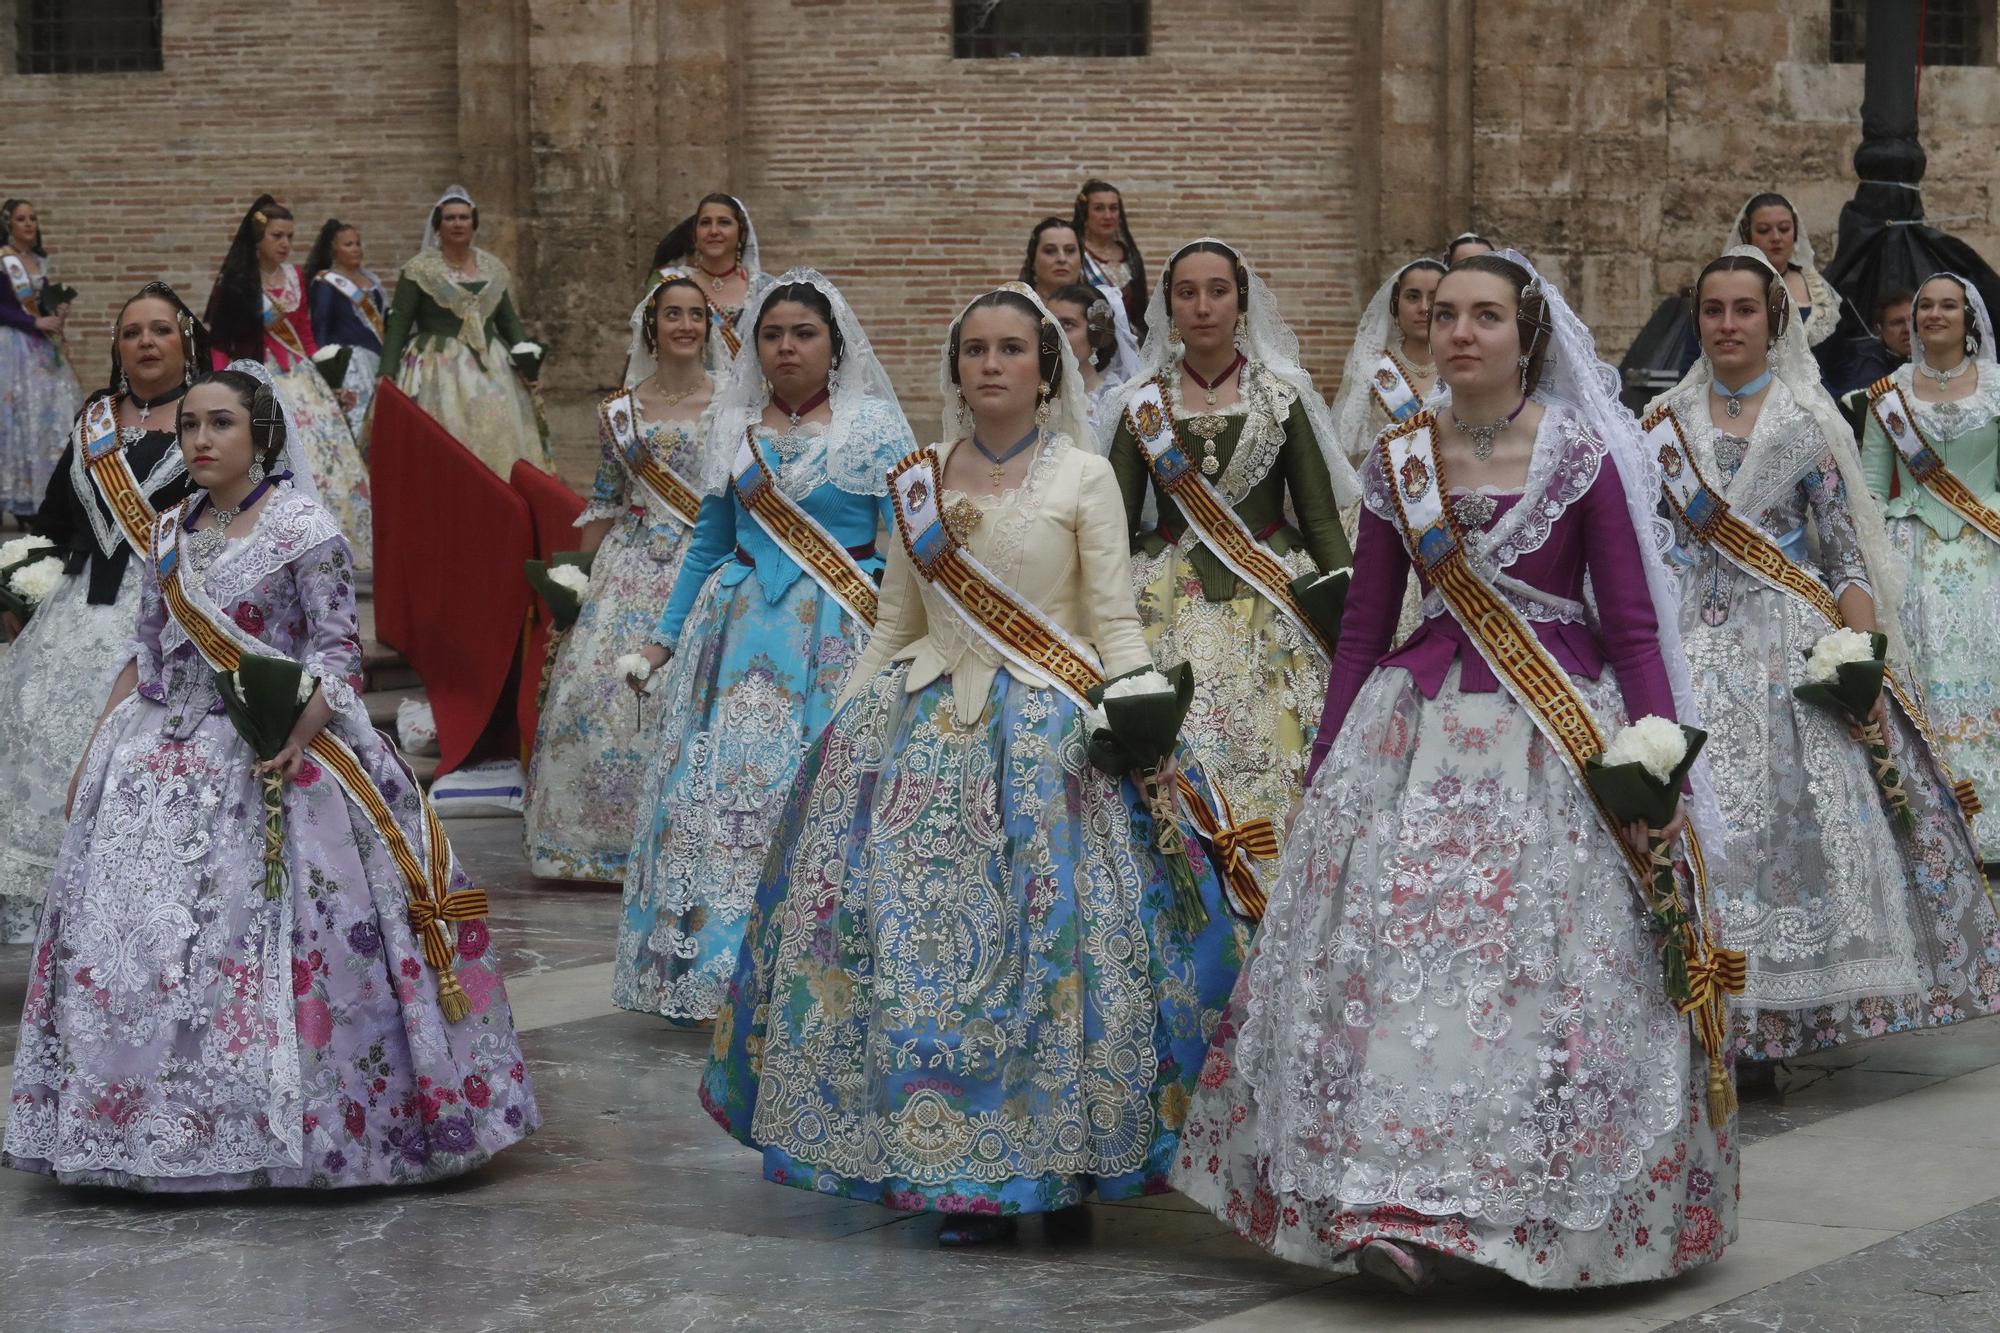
{"x": 184, "y": 1032}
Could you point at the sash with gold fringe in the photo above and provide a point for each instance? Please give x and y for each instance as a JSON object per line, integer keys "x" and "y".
{"x": 799, "y": 536}
{"x": 277, "y": 327}
{"x": 1709, "y": 517}
{"x": 1544, "y": 690}
{"x": 110, "y": 471}
{"x": 1394, "y": 390}
{"x": 1213, "y": 519}
{"x": 22, "y": 282}
{"x": 621, "y": 418}
{"x": 1016, "y": 629}
{"x": 347, "y": 288}
{"x": 1892, "y": 413}
{"x": 426, "y": 871}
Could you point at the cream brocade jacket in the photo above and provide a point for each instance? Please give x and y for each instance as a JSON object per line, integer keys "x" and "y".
{"x": 1059, "y": 541}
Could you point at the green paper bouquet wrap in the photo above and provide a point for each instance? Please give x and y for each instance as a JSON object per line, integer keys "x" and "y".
{"x": 561, "y": 582}
{"x": 1639, "y": 777}
{"x": 1323, "y": 598}
{"x": 1136, "y": 724}
{"x": 1844, "y": 675}
{"x": 527, "y": 358}
{"x": 264, "y": 698}
{"x": 331, "y": 362}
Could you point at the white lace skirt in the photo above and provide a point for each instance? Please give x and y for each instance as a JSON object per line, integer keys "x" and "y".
{"x": 1453, "y": 1029}
{"x": 54, "y": 681}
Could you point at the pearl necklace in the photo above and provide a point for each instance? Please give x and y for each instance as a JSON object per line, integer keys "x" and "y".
{"x": 1943, "y": 377}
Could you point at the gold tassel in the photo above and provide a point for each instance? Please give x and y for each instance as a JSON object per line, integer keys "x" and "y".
{"x": 1721, "y": 1092}
{"x": 456, "y": 1005}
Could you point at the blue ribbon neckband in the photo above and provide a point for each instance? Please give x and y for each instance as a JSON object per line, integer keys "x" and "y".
{"x": 1736, "y": 396}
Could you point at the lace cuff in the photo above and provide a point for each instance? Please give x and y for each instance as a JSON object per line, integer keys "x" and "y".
{"x": 596, "y": 510}
{"x": 340, "y": 693}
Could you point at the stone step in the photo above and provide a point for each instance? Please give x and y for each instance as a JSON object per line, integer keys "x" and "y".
{"x": 382, "y": 704}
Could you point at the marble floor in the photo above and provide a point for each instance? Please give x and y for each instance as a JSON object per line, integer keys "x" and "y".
{"x": 1871, "y": 1200}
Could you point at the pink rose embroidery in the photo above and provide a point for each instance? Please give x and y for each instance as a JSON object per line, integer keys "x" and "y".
{"x": 315, "y": 1022}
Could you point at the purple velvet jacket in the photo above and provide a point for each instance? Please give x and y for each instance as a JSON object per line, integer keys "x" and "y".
{"x": 1581, "y": 526}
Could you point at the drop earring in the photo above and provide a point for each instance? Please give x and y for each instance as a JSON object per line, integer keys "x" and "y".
{"x": 1042, "y": 407}
{"x": 1523, "y": 361}
{"x": 1242, "y": 331}
{"x": 256, "y": 473}
{"x": 124, "y": 385}
{"x": 1173, "y": 335}
{"x": 1971, "y": 344}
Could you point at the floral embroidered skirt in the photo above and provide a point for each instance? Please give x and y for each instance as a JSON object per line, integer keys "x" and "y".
{"x": 327, "y": 445}
{"x": 753, "y": 684}
{"x": 54, "y": 681}
{"x": 1452, "y": 1030}
{"x": 596, "y": 736}
{"x": 1951, "y": 617}
{"x": 1852, "y": 928}
{"x": 1259, "y": 687}
{"x": 183, "y": 1032}
{"x": 962, "y": 990}
{"x": 485, "y": 407}
{"x": 39, "y": 399}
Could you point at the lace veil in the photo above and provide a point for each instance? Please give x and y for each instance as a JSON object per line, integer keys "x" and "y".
{"x": 290, "y": 459}
{"x": 1268, "y": 341}
{"x": 868, "y": 432}
{"x": 1352, "y": 403}
{"x": 457, "y": 192}
{"x": 1069, "y": 412}
{"x": 1797, "y": 384}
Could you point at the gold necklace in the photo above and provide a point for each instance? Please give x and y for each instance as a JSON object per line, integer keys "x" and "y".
{"x": 680, "y": 396}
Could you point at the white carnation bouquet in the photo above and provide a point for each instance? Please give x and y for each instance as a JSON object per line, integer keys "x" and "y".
{"x": 1134, "y": 725}
{"x": 1844, "y": 674}
{"x": 30, "y": 569}
{"x": 1638, "y": 779}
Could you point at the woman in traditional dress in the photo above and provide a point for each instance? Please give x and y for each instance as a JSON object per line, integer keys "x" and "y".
{"x": 197, "y": 1018}
{"x": 348, "y": 307}
{"x": 1465, "y": 245}
{"x": 38, "y": 393}
{"x": 1085, "y": 314}
{"x": 1453, "y": 1036}
{"x": 1771, "y": 223}
{"x": 965, "y": 991}
{"x": 258, "y": 312}
{"x": 1389, "y": 372}
{"x": 1110, "y": 256}
{"x": 56, "y": 674}
{"x": 1223, "y": 368}
{"x": 717, "y": 245}
{"x": 449, "y": 342}
{"x": 1055, "y": 261}
{"x": 768, "y": 614}
{"x": 1951, "y": 613}
{"x": 595, "y": 739}
{"x": 1850, "y": 927}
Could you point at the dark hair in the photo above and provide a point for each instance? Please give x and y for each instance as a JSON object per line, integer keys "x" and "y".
{"x": 1777, "y": 297}
{"x": 1451, "y": 246}
{"x": 1968, "y": 326}
{"x": 813, "y": 299}
{"x": 1396, "y": 291}
{"x": 1208, "y": 248}
{"x": 437, "y": 213}
{"x": 1081, "y": 213}
{"x": 320, "y": 258}
{"x": 1766, "y": 200}
{"x": 1894, "y": 296}
{"x": 678, "y": 244}
{"x": 1103, "y": 328}
{"x": 649, "y": 327}
{"x": 194, "y": 335}
{"x": 7, "y": 217}
{"x": 1048, "y": 333}
{"x": 1531, "y": 311}
{"x": 266, "y": 417}
{"x": 1049, "y": 223}
{"x": 235, "y": 315}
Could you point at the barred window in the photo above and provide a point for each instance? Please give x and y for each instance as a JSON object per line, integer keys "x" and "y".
{"x": 86, "y": 36}
{"x": 998, "y": 29}
{"x": 1956, "y": 32}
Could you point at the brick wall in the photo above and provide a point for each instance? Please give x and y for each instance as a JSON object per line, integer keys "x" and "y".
{"x": 347, "y": 110}
{"x": 913, "y": 179}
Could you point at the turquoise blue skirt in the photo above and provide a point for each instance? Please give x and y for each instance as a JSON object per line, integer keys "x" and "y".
{"x": 963, "y": 987}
